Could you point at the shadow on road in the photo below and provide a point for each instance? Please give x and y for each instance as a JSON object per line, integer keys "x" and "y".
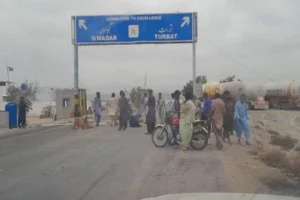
{"x": 283, "y": 186}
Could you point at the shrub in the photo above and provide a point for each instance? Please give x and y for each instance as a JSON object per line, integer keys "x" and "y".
{"x": 275, "y": 158}
{"x": 286, "y": 142}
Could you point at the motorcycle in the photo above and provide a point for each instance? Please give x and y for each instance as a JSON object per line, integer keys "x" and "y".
{"x": 168, "y": 133}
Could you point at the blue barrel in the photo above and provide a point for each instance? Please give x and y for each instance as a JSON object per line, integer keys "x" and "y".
{"x": 12, "y": 110}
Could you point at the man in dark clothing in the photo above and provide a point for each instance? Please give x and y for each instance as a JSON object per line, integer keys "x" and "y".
{"x": 228, "y": 122}
{"x": 172, "y": 96}
{"x": 176, "y": 105}
{"x": 151, "y": 114}
{"x": 22, "y": 113}
{"x": 124, "y": 111}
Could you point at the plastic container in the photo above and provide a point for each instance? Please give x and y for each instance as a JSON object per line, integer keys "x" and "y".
{"x": 12, "y": 110}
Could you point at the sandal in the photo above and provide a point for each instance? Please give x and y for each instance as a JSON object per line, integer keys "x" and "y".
{"x": 184, "y": 148}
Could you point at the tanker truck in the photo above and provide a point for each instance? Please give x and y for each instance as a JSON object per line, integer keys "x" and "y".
{"x": 255, "y": 92}
{"x": 283, "y": 95}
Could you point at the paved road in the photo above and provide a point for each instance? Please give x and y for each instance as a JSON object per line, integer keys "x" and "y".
{"x": 102, "y": 163}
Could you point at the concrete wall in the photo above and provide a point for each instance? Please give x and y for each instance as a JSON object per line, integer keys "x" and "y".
{"x": 4, "y": 121}
{"x": 64, "y": 103}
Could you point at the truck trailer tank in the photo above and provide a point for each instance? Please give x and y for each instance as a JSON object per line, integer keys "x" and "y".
{"x": 255, "y": 90}
{"x": 236, "y": 88}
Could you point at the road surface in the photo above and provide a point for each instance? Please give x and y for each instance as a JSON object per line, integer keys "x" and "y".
{"x": 102, "y": 163}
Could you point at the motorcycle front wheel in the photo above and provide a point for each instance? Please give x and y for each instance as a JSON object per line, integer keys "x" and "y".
{"x": 199, "y": 140}
{"x": 160, "y": 136}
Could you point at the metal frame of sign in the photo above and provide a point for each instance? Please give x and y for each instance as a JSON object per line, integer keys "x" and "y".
{"x": 76, "y": 44}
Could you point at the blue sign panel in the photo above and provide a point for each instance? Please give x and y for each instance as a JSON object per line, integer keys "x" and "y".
{"x": 135, "y": 29}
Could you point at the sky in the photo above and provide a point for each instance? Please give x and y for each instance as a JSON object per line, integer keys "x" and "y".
{"x": 256, "y": 40}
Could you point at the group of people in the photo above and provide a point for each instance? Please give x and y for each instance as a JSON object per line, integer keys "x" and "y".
{"x": 186, "y": 113}
{"x": 150, "y": 108}
{"x": 117, "y": 109}
{"x": 120, "y": 109}
{"x": 222, "y": 112}
{"x": 225, "y": 116}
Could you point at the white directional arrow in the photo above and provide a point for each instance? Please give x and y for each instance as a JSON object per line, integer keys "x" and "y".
{"x": 186, "y": 21}
{"x": 81, "y": 24}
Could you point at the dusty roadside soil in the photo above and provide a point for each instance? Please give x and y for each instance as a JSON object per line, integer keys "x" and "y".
{"x": 246, "y": 172}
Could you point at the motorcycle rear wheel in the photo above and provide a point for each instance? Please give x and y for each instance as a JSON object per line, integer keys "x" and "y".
{"x": 200, "y": 136}
{"x": 160, "y": 133}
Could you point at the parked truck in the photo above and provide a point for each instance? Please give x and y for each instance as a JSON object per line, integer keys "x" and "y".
{"x": 283, "y": 95}
{"x": 256, "y": 93}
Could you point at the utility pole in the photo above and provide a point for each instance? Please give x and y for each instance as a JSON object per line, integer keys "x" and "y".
{"x": 7, "y": 70}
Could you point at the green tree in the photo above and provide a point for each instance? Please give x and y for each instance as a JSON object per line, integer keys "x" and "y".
{"x": 189, "y": 85}
{"x": 14, "y": 93}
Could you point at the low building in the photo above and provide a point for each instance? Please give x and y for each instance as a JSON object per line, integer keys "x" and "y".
{"x": 65, "y": 102}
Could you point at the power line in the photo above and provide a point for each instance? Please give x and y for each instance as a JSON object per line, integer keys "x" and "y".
{"x": 237, "y": 61}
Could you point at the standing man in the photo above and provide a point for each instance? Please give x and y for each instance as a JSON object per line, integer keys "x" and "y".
{"x": 142, "y": 107}
{"x": 145, "y": 105}
{"x": 112, "y": 109}
{"x": 161, "y": 108}
{"x": 187, "y": 117}
{"x": 170, "y": 104}
{"x": 151, "y": 115}
{"x": 22, "y": 113}
{"x": 176, "y": 104}
{"x": 207, "y": 104}
{"x": 124, "y": 111}
{"x": 217, "y": 115}
{"x": 97, "y": 108}
{"x": 241, "y": 119}
{"x": 228, "y": 117}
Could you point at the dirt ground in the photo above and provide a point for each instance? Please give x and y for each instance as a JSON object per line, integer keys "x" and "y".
{"x": 246, "y": 173}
